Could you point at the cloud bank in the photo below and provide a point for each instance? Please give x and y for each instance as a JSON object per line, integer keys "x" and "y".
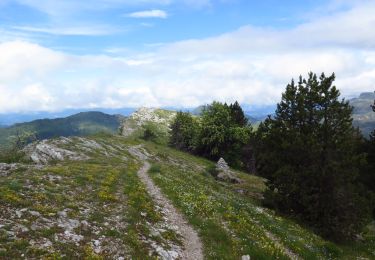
{"x": 251, "y": 65}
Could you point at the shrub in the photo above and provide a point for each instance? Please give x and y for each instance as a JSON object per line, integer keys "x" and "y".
{"x": 153, "y": 133}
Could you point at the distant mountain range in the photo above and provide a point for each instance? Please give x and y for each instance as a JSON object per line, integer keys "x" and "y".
{"x": 66, "y": 123}
{"x": 14, "y": 118}
{"x": 81, "y": 124}
{"x": 363, "y": 116}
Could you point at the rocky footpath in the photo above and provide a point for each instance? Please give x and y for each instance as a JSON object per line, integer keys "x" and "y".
{"x": 192, "y": 248}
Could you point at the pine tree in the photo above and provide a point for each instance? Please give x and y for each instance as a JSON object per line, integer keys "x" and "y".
{"x": 368, "y": 170}
{"x": 237, "y": 114}
{"x": 308, "y": 152}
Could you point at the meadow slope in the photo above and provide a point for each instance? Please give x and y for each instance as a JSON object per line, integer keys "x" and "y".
{"x": 85, "y": 200}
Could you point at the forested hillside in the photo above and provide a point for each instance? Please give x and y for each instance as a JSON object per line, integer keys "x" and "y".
{"x": 80, "y": 124}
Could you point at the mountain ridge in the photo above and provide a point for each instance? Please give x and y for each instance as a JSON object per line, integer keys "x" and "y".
{"x": 363, "y": 116}
{"x": 81, "y": 124}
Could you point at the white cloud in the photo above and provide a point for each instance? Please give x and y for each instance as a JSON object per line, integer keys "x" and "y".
{"x": 251, "y": 65}
{"x": 22, "y": 61}
{"x": 83, "y": 31}
{"x": 26, "y": 99}
{"x": 67, "y": 7}
{"x": 149, "y": 14}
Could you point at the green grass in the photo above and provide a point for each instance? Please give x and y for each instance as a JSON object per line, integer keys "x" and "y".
{"x": 232, "y": 225}
{"x": 108, "y": 186}
{"x": 228, "y": 217}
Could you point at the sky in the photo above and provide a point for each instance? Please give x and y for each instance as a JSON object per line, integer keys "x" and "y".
{"x": 69, "y": 54}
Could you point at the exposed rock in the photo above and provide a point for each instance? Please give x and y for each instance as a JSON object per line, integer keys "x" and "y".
{"x": 89, "y": 144}
{"x": 245, "y": 257}
{"x": 34, "y": 213}
{"x": 146, "y": 115}
{"x": 66, "y": 223}
{"x": 166, "y": 254}
{"x": 19, "y": 228}
{"x": 71, "y": 236}
{"x": 53, "y": 178}
{"x": 44, "y": 151}
{"x": 96, "y": 246}
{"x": 5, "y": 168}
{"x": 41, "y": 243}
{"x": 224, "y": 172}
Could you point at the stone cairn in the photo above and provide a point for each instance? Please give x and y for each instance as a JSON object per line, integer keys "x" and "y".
{"x": 224, "y": 172}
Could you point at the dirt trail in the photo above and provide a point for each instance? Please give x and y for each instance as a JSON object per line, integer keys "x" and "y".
{"x": 191, "y": 241}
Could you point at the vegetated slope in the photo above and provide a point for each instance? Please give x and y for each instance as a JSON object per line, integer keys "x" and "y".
{"x": 83, "y": 199}
{"x": 229, "y": 217}
{"x": 80, "y": 124}
{"x": 363, "y": 116}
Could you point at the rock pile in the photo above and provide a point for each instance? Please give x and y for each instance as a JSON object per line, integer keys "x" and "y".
{"x": 222, "y": 165}
{"x": 224, "y": 172}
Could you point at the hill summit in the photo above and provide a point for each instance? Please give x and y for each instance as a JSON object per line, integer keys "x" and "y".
{"x": 143, "y": 116}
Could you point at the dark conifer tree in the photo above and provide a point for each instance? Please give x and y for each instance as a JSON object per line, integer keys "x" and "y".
{"x": 368, "y": 170}
{"x": 237, "y": 114}
{"x": 308, "y": 151}
{"x": 371, "y": 160}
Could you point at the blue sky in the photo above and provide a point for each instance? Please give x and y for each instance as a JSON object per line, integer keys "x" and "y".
{"x": 82, "y": 29}
{"x": 59, "y": 54}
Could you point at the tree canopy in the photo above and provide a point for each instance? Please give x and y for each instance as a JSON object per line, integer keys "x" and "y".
{"x": 308, "y": 151}
{"x": 221, "y": 131}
